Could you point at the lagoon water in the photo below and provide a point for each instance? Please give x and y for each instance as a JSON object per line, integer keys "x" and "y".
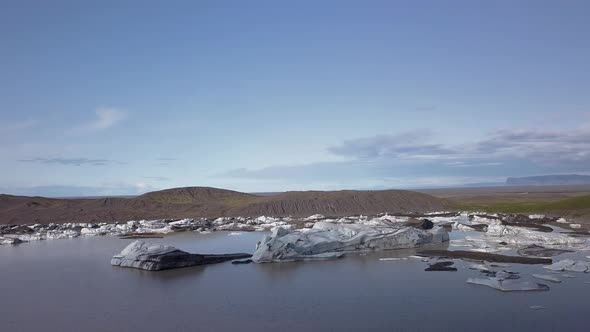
{"x": 69, "y": 285}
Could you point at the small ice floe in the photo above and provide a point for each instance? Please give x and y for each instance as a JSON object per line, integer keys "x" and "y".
{"x": 536, "y": 216}
{"x": 505, "y": 275}
{"x": 459, "y": 243}
{"x": 568, "y": 276}
{"x": 569, "y": 265}
{"x": 391, "y": 259}
{"x": 562, "y": 221}
{"x": 537, "y": 307}
{"x": 546, "y": 277}
{"x": 539, "y": 251}
{"x": 502, "y": 274}
{"x": 575, "y": 226}
{"x": 416, "y": 257}
{"x": 442, "y": 266}
{"x": 235, "y": 233}
{"x": 10, "y": 241}
{"x": 508, "y": 285}
{"x": 479, "y": 267}
{"x": 488, "y": 250}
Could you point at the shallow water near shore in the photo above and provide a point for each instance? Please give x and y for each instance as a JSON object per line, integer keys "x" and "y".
{"x": 69, "y": 285}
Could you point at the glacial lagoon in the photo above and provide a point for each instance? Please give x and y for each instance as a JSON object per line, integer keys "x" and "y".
{"x": 69, "y": 285}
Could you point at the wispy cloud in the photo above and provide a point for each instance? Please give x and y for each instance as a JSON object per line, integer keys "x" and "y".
{"x": 157, "y": 178}
{"x": 66, "y": 190}
{"x": 537, "y": 145}
{"x": 541, "y": 146}
{"x": 406, "y": 145}
{"x": 11, "y": 127}
{"x": 71, "y": 161}
{"x": 425, "y": 108}
{"x": 106, "y": 117}
{"x": 419, "y": 154}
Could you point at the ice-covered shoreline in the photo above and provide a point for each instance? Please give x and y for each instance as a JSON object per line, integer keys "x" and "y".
{"x": 25, "y": 233}
{"x": 495, "y": 236}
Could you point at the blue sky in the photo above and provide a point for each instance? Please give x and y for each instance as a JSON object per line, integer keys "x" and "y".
{"x": 123, "y": 97}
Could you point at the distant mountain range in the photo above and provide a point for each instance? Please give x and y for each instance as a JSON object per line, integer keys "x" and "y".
{"x": 549, "y": 180}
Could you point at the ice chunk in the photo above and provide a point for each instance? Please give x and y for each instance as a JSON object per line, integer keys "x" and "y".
{"x": 479, "y": 267}
{"x": 537, "y": 307}
{"x": 9, "y": 241}
{"x": 569, "y": 265}
{"x": 537, "y": 216}
{"x": 315, "y": 217}
{"x": 508, "y": 285}
{"x": 546, "y": 277}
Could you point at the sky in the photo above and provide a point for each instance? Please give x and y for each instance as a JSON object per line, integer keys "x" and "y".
{"x": 124, "y": 97}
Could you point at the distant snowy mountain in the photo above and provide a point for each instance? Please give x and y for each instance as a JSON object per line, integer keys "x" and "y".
{"x": 547, "y": 180}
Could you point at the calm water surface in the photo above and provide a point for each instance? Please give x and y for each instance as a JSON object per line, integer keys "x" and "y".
{"x": 69, "y": 285}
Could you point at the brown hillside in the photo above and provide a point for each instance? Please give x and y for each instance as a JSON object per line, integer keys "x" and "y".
{"x": 195, "y": 202}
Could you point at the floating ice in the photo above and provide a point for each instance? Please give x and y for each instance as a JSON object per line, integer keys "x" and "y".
{"x": 546, "y": 277}
{"x": 508, "y": 285}
{"x": 537, "y": 307}
{"x": 316, "y": 217}
{"x": 479, "y": 267}
{"x": 327, "y": 240}
{"x": 523, "y": 236}
{"x": 154, "y": 257}
{"x": 537, "y": 216}
{"x": 569, "y": 265}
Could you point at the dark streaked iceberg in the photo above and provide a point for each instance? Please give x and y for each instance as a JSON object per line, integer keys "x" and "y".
{"x": 155, "y": 257}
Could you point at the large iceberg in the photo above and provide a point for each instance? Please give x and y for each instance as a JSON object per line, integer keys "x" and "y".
{"x": 328, "y": 240}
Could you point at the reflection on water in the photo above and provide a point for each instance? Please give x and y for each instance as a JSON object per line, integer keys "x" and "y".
{"x": 69, "y": 285}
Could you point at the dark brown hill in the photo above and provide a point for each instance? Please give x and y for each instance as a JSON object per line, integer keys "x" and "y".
{"x": 194, "y": 202}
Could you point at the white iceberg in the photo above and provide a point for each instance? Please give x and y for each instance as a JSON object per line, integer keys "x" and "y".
{"x": 327, "y": 240}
